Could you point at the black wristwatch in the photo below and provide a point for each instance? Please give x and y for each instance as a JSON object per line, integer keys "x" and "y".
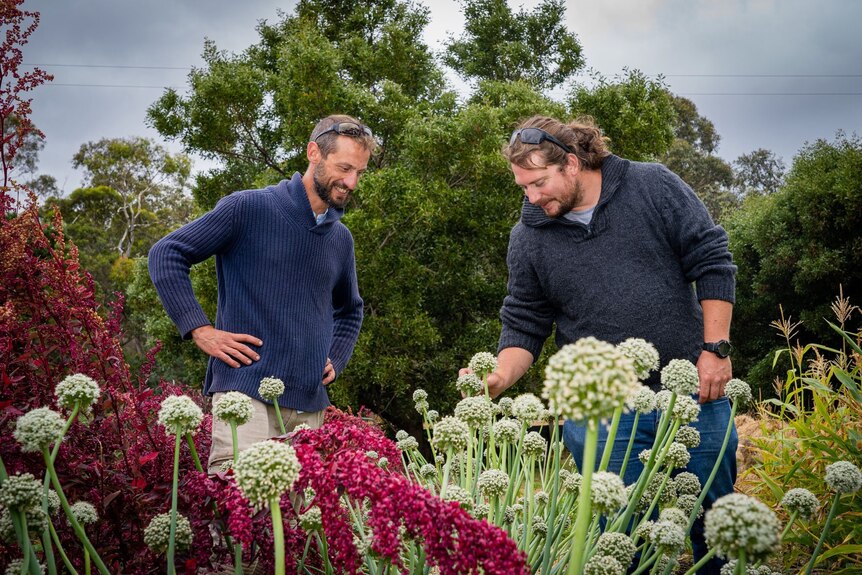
{"x": 721, "y": 348}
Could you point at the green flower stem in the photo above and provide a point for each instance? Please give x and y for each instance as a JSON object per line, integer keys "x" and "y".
{"x": 576, "y": 559}
{"x": 278, "y": 417}
{"x": 277, "y": 535}
{"x": 63, "y": 556}
{"x": 197, "y": 460}
{"x": 301, "y": 566}
{"x": 446, "y": 467}
{"x": 66, "y": 426}
{"x": 20, "y": 524}
{"x": 529, "y": 471}
{"x": 469, "y": 463}
{"x": 646, "y": 565}
{"x": 693, "y": 515}
{"x": 234, "y": 441}
{"x": 79, "y": 531}
{"x": 324, "y": 553}
{"x": 609, "y": 443}
{"x": 174, "y": 486}
{"x": 740, "y": 563}
{"x": 428, "y": 427}
{"x": 86, "y": 562}
{"x": 48, "y": 549}
{"x": 237, "y": 547}
{"x": 658, "y": 494}
{"x": 703, "y": 560}
{"x": 832, "y": 511}
{"x": 788, "y": 526}
{"x": 630, "y": 444}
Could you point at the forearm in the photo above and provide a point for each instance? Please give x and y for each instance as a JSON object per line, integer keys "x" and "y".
{"x": 512, "y": 364}
{"x": 716, "y": 319}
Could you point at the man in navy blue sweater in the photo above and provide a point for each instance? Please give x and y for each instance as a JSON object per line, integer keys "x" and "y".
{"x": 610, "y": 248}
{"x": 288, "y": 301}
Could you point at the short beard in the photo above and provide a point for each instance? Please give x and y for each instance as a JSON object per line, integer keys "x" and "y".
{"x": 325, "y": 192}
{"x": 572, "y": 201}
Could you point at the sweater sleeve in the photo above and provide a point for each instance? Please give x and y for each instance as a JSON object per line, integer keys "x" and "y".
{"x": 347, "y": 315}
{"x": 527, "y": 315}
{"x": 701, "y": 245}
{"x": 171, "y": 258}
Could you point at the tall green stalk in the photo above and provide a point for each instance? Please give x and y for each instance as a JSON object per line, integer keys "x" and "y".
{"x": 578, "y": 553}
{"x": 277, "y": 535}
{"x": 832, "y": 511}
{"x": 174, "y": 487}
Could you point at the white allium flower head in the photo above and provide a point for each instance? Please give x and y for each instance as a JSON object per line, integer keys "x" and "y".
{"x": 53, "y": 502}
{"x": 589, "y": 379}
{"x": 469, "y": 384}
{"x": 38, "y": 428}
{"x": 450, "y": 432}
{"x": 383, "y": 462}
{"x": 643, "y": 353}
{"x": 21, "y": 492}
{"x": 680, "y": 375}
{"x": 662, "y": 399}
{"x": 505, "y": 405}
{"x": 371, "y": 454}
{"x": 234, "y": 407}
{"x": 644, "y": 400}
{"x": 493, "y": 483}
{"x": 668, "y": 537}
{"x": 843, "y": 477}
{"x": 534, "y": 444}
{"x": 15, "y": 566}
{"x": 37, "y": 521}
{"x": 643, "y": 530}
{"x": 407, "y": 444}
{"x": 737, "y": 522}
{"x": 688, "y": 436}
{"x": 432, "y": 415}
{"x": 271, "y": 388}
{"x": 421, "y": 407}
{"x": 800, "y": 501}
{"x": 541, "y": 498}
{"x": 687, "y": 483}
{"x": 158, "y": 533}
{"x": 265, "y": 471}
{"x": 474, "y": 411}
{"x": 674, "y": 515}
{"x": 507, "y": 430}
{"x": 301, "y": 427}
{"x": 480, "y": 510}
{"x": 420, "y": 395}
{"x": 644, "y": 455}
{"x": 483, "y": 363}
{"x": 84, "y": 513}
{"x": 618, "y": 545}
{"x": 686, "y": 502}
{"x": 427, "y": 471}
{"x": 459, "y": 495}
{"x": 686, "y": 409}
{"x": 607, "y": 493}
{"x": 539, "y": 525}
{"x": 527, "y": 407}
{"x": 603, "y": 565}
{"x": 77, "y": 389}
{"x": 572, "y": 482}
{"x": 738, "y": 391}
{"x": 312, "y": 519}
{"x": 401, "y": 435}
{"x": 677, "y": 456}
{"x": 179, "y": 414}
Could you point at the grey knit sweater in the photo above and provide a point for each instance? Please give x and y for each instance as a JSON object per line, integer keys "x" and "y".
{"x": 629, "y": 273}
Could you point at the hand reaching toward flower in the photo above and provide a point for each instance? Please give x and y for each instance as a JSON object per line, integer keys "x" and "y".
{"x": 226, "y": 346}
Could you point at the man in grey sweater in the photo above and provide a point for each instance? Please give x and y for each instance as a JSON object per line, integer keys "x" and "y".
{"x": 610, "y": 248}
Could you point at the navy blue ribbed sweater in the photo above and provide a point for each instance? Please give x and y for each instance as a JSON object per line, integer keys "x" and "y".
{"x": 281, "y": 277}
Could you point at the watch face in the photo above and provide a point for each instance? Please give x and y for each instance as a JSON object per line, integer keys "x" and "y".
{"x": 724, "y": 348}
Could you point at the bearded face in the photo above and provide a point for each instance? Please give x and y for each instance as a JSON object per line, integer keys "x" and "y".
{"x": 329, "y": 187}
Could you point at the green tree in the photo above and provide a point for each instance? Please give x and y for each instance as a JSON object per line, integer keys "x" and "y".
{"x": 759, "y": 172}
{"x": 795, "y": 247}
{"x": 497, "y": 44}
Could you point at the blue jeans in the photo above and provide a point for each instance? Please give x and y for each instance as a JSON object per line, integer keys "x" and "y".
{"x": 712, "y": 425}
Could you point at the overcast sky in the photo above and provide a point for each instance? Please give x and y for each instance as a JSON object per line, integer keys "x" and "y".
{"x": 769, "y": 73}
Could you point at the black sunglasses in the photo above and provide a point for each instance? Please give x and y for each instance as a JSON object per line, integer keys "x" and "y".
{"x": 536, "y": 136}
{"x": 351, "y": 129}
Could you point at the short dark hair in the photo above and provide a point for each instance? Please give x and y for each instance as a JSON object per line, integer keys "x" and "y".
{"x": 582, "y": 136}
{"x": 326, "y": 142}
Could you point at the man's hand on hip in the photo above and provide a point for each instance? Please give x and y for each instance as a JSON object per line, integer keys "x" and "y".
{"x": 226, "y": 346}
{"x": 328, "y": 373}
{"x": 714, "y": 372}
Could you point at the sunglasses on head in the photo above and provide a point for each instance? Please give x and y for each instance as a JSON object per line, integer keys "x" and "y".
{"x": 351, "y": 129}
{"x": 536, "y": 136}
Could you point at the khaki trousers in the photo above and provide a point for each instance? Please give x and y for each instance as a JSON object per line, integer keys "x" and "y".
{"x": 263, "y": 425}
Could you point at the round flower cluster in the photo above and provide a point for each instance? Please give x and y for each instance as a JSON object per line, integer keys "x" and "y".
{"x": 607, "y": 493}
{"x": 312, "y": 520}
{"x": 534, "y": 444}
{"x": 266, "y": 470}
{"x": 371, "y": 454}
{"x": 687, "y": 483}
{"x": 432, "y": 416}
{"x": 383, "y": 462}
{"x": 407, "y": 444}
{"x": 729, "y": 568}
{"x": 686, "y": 409}
{"x": 686, "y": 502}
{"x": 493, "y": 482}
{"x": 643, "y": 353}
{"x": 738, "y": 391}
{"x": 21, "y": 492}
{"x": 677, "y": 456}
{"x": 53, "y": 502}
{"x": 603, "y": 565}
{"x": 427, "y": 471}
{"x": 507, "y": 430}
{"x": 800, "y": 501}
{"x": 459, "y": 495}
{"x": 16, "y": 565}
{"x": 84, "y": 513}
{"x": 78, "y": 389}
{"x": 680, "y": 375}
{"x": 270, "y": 388}
{"x": 644, "y": 400}
{"x": 401, "y": 434}
{"x": 571, "y": 481}
{"x": 541, "y": 498}
{"x": 588, "y": 379}
{"x": 234, "y": 407}
{"x": 674, "y": 515}
{"x": 38, "y": 429}
{"x": 644, "y": 455}
{"x": 527, "y": 407}
{"x": 662, "y": 399}
{"x": 480, "y": 510}
{"x": 483, "y": 363}
{"x": 420, "y": 395}
{"x": 668, "y": 537}
{"x": 468, "y": 384}
{"x": 737, "y": 522}
{"x": 642, "y": 531}
{"x": 843, "y": 477}
{"x": 157, "y": 534}
{"x": 617, "y": 545}
{"x": 450, "y": 433}
{"x": 505, "y": 406}
{"x": 180, "y": 414}
{"x": 37, "y": 521}
{"x": 474, "y": 411}
{"x": 688, "y": 436}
